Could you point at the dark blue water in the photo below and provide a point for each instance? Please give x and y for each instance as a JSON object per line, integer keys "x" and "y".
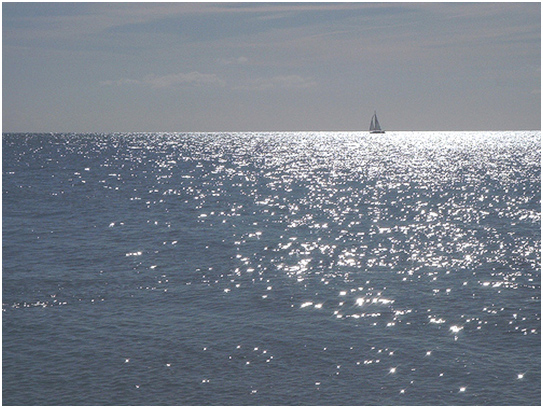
{"x": 274, "y": 268}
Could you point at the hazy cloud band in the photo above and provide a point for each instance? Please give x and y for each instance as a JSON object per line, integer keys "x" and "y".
{"x": 171, "y": 80}
{"x": 196, "y": 78}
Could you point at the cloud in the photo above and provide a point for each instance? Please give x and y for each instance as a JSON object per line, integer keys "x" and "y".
{"x": 194, "y": 78}
{"x": 197, "y": 79}
{"x": 234, "y": 61}
{"x": 279, "y": 82}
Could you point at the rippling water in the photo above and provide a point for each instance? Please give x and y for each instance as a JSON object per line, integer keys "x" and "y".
{"x": 272, "y": 268}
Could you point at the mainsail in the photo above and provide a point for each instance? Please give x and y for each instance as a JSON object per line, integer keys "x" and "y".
{"x": 374, "y": 124}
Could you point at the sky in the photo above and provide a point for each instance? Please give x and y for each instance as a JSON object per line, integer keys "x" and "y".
{"x": 204, "y": 67}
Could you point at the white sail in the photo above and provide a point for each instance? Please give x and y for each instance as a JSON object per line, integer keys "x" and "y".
{"x": 375, "y": 127}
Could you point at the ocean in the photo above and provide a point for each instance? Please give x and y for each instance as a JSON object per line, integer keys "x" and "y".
{"x": 291, "y": 268}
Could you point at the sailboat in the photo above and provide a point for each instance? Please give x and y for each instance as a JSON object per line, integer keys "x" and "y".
{"x": 374, "y": 124}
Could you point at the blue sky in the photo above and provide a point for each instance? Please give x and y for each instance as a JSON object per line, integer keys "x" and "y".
{"x": 103, "y": 67}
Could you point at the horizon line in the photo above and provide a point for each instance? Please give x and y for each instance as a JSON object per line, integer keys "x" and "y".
{"x": 268, "y": 131}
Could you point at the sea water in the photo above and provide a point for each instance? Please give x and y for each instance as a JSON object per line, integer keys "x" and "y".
{"x": 309, "y": 268}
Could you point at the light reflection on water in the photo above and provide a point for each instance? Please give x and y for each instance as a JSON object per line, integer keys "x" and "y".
{"x": 284, "y": 268}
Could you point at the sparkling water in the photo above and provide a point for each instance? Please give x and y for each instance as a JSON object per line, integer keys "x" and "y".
{"x": 272, "y": 268}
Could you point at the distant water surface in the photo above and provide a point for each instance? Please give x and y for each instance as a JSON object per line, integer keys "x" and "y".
{"x": 272, "y": 268}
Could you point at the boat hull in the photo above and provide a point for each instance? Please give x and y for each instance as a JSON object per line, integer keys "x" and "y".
{"x": 377, "y": 131}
